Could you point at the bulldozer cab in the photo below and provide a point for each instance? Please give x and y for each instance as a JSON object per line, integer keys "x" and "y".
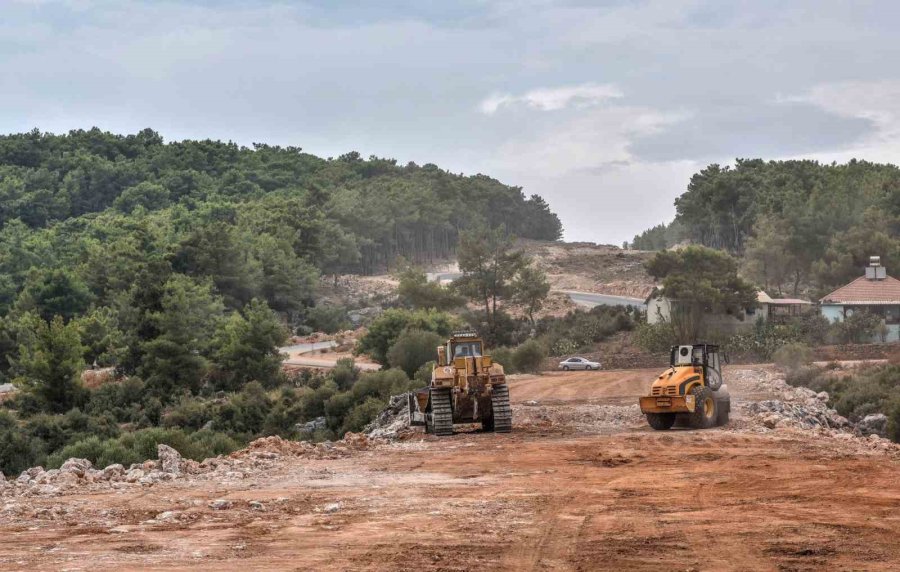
{"x": 466, "y": 349}
{"x": 460, "y": 346}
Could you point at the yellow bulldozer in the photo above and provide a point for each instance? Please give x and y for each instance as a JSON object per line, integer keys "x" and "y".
{"x": 466, "y": 387}
{"x": 690, "y": 392}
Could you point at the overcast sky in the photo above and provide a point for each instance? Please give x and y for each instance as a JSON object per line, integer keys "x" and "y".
{"x": 605, "y": 108}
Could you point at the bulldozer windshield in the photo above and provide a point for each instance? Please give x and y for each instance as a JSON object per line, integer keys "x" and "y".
{"x": 466, "y": 349}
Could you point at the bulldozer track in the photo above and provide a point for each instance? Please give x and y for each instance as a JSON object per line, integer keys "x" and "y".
{"x": 501, "y": 410}
{"x": 441, "y": 412}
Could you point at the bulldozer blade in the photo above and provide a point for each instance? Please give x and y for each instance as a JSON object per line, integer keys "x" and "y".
{"x": 416, "y": 417}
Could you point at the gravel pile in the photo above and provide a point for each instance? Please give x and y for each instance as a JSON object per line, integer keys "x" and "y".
{"x": 393, "y": 421}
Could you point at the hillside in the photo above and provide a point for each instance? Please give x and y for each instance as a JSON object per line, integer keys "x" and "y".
{"x": 594, "y": 268}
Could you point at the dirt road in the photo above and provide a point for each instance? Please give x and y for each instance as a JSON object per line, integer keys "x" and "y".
{"x": 546, "y": 497}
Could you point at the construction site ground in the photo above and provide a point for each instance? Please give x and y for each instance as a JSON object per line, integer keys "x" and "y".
{"x": 581, "y": 484}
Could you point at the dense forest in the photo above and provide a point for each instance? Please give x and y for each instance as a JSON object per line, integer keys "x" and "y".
{"x": 180, "y": 264}
{"x": 799, "y": 226}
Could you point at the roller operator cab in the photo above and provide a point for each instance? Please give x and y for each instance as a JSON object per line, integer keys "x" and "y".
{"x": 467, "y": 386}
{"x": 690, "y": 392}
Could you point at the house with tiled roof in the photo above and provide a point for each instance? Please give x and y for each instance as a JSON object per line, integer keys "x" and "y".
{"x": 875, "y": 292}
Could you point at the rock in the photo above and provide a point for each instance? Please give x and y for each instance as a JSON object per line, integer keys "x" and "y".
{"x": 257, "y": 505}
{"x": 46, "y": 477}
{"x": 167, "y": 515}
{"x": 149, "y": 465}
{"x": 332, "y": 508}
{"x": 114, "y": 472}
{"x": 134, "y": 475}
{"x": 771, "y": 421}
{"x": 170, "y": 460}
{"x": 220, "y": 504}
{"x": 190, "y": 466}
{"x": 823, "y": 396}
{"x": 312, "y": 426}
{"x": 392, "y": 420}
{"x": 29, "y": 475}
{"x": 531, "y": 402}
{"x": 76, "y": 466}
{"x": 873, "y": 424}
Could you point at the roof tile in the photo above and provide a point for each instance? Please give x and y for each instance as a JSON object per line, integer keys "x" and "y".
{"x": 865, "y": 291}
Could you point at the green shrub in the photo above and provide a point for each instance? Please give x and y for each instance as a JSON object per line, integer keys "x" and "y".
{"x": 386, "y": 328}
{"x": 811, "y": 376}
{"x": 529, "y": 357}
{"x": 345, "y": 373}
{"x": 423, "y": 374}
{"x": 138, "y": 446}
{"x": 362, "y": 414}
{"x": 412, "y": 349}
{"x": 18, "y": 449}
{"x": 245, "y": 413}
{"x": 190, "y": 413}
{"x": 655, "y": 338}
{"x": 502, "y": 355}
{"x": 792, "y": 356}
{"x": 327, "y": 318}
{"x": 858, "y": 328}
{"x": 579, "y": 329}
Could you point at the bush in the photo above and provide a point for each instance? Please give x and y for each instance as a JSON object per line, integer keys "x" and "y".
{"x": 858, "y": 328}
{"x": 413, "y": 349}
{"x": 138, "y": 446}
{"x": 362, "y": 414}
{"x": 245, "y": 413}
{"x": 791, "y": 357}
{"x": 386, "y": 328}
{"x": 763, "y": 340}
{"x": 423, "y": 374}
{"x": 655, "y": 338}
{"x": 504, "y": 356}
{"x": 530, "y": 357}
{"x": 19, "y": 451}
{"x": 345, "y": 373}
{"x": 328, "y": 319}
{"x": 812, "y": 328}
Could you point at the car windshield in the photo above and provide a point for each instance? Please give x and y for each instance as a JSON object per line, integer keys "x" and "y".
{"x": 467, "y": 349}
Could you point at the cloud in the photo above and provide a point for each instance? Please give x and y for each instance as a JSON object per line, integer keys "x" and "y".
{"x": 752, "y": 129}
{"x": 553, "y": 98}
{"x": 877, "y": 102}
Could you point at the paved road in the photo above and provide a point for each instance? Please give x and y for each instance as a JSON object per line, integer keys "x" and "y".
{"x": 589, "y": 299}
{"x": 307, "y": 347}
{"x": 326, "y": 362}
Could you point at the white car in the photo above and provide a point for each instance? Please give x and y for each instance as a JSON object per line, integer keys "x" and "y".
{"x": 578, "y": 363}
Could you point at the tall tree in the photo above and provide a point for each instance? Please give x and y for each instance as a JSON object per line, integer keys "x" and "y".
{"x": 488, "y": 262}
{"x": 189, "y": 317}
{"x": 699, "y": 281}
{"x": 49, "y": 366}
{"x": 247, "y": 346}
{"x": 530, "y": 289}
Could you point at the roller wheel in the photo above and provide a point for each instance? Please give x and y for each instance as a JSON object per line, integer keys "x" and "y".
{"x": 661, "y": 421}
{"x": 705, "y": 408}
{"x": 440, "y": 420}
{"x": 502, "y": 414}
